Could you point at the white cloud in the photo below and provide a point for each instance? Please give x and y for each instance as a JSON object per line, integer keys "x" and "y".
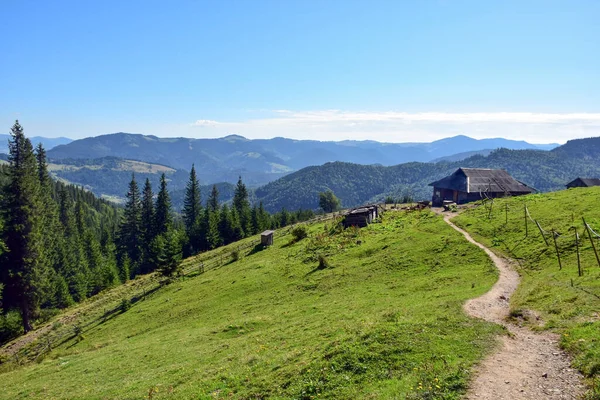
{"x": 395, "y": 126}
{"x": 205, "y": 123}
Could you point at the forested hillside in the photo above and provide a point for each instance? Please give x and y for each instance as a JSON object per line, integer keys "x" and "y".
{"x": 59, "y": 244}
{"x": 109, "y": 177}
{"x": 356, "y": 184}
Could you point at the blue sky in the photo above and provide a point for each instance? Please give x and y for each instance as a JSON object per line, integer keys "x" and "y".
{"x": 329, "y": 70}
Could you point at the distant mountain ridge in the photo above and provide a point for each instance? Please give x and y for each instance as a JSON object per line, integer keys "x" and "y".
{"x": 48, "y": 143}
{"x": 358, "y": 184}
{"x": 263, "y": 160}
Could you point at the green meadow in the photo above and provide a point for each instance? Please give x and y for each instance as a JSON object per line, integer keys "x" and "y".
{"x": 381, "y": 318}
{"x": 565, "y": 302}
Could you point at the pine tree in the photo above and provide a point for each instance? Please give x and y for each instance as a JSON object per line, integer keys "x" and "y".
{"x": 163, "y": 218}
{"x": 242, "y": 206}
{"x": 192, "y": 206}
{"x": 53, "y": 235}
{"x": 148, "y": 228}
{"x": 148, "y": 216}
{"x": 213, "y": 200}
{"x": 213, "y": 236}
{"x": 73, "y": 265}
{"x": 23, "y": 269}
{"x": 130, "y": 229}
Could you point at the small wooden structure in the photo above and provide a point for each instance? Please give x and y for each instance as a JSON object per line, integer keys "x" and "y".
{"x": 583, "y": 182}
{"x": 471, "y": 184}
{"x": 266, "y": 238}
{"x": 361, "y": 216}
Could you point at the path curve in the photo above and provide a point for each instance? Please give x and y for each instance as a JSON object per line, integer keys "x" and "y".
{"x": 527, "y": 365}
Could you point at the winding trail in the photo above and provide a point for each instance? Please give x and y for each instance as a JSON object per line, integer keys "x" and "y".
{"x": 527, "y": 365}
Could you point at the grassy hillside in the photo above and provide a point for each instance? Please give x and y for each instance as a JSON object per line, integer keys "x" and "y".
{"x": 566, "y": 302}
{"x": 382, "y": 320}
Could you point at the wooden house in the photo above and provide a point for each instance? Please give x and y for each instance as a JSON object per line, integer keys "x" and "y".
{"x": 471, "y": 184}
{"x": 583, "y": 182}
{"x": 361, "y": 216}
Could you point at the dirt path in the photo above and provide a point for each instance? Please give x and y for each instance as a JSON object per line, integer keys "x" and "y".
{"x": 528, "y": 365}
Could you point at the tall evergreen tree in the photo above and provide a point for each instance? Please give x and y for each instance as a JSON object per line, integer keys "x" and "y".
{"x": 242, "y": 206}
{"x": 192, "y": 206}
{"x": 148, "y": 227}
{"x": 130, "y": 229}
{"x": 213, "y": 236}
{"x": 213, "y": 200}
{"x": 23, "y": 268}
{"x": 163, "y": 218}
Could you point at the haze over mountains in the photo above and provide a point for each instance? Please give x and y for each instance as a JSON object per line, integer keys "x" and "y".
{"x": 263, "y": 160}
{"x": 289, "y": 173}
{"x": 48, "y": 143}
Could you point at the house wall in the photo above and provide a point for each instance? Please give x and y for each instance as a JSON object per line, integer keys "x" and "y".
{"x": 439, "y": 195}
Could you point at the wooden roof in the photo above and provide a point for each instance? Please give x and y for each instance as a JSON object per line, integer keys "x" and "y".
{"x": 586, "y": 181}
{"x": 474, "y": 180}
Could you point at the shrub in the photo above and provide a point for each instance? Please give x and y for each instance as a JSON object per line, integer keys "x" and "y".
{"x": 323, "y": 262}
{"x": 125, "y": 305}
{"x": 235, "y": 255}
{"x": 11, "y": 326}
{"x": 299, "y": 233}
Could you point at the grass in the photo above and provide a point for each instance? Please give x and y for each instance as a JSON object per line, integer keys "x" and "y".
{"x": 382, "y": 319}
{"x": 567, "y": 303}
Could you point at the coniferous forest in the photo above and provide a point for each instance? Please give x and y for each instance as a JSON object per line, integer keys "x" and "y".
{"x": 59, "y": 244}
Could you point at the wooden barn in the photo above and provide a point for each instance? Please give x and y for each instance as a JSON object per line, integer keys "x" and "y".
{"x": 361, "y": 216}
{"x": 583, "y": 182}
{"x": 471, "y": 184}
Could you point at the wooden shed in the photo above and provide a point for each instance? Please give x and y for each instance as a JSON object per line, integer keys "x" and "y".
{"x": 361, "y": 216}
{"x": 266, "y": 238}
{"x": 471, "y": 184}
{"x": 583, "y": 182}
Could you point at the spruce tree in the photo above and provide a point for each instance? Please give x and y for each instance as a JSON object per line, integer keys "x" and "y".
{"x": 163, "y": 218}
{"x": 131, "y": 226}
{"x": 23, "y": 267}
{"x": 148, "y": 216}
{"x": 213, "y": 236}
{"x": 213, "y": 200}
{"x": 242, "y": 207}
{"x": 148, "y": 228}
{"x": 192, "y": 206}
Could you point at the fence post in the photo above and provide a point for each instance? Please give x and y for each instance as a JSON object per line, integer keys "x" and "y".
{"x": 579, "y": 271}
{"x": 587, "y": 228}
{"x": 556, "y": 247}
{"x": 542, "y": 233}
{"x": 525, "y": 213}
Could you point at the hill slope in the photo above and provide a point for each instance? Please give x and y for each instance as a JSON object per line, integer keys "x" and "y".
{"x": 383, "y": 319}
{"x": 564, "y": 301}
{"x": 110, "y": 176}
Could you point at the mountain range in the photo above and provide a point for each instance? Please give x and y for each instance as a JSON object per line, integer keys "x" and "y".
{"x": 260, "y": 161}
{"x": 358, "y": 184}
{"x": 48, "y": 143}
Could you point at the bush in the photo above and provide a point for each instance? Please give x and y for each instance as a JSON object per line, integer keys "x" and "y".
{"x": 389, "y": 200}
{"x": 299, "y": 233}
{"x": 235, "y": 255}
{"x": 125, "y": 305}
{"x": 11, "y": 326}
{"x": 323, "y": 262}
